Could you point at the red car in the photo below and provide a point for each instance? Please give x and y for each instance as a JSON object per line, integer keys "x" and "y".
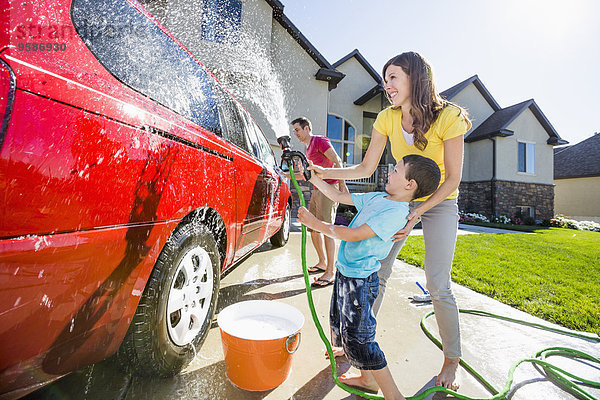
{"x": 130, "y": 180}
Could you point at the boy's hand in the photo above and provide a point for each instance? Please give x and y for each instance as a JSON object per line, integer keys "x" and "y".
{"x": 306, "y": 218}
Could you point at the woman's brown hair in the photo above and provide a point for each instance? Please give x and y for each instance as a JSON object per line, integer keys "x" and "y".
{"x": 426, "y": 103}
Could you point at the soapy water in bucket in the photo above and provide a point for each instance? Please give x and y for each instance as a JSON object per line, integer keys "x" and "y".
{"x": 262, "y": 327}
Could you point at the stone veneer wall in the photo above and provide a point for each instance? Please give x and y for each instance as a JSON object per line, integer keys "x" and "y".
{"x": 476, "y": 197}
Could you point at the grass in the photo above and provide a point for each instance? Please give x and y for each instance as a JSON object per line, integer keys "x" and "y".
{"x": 554, "y": 274}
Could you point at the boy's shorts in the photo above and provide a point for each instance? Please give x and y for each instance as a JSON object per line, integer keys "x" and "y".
{"x": 353, "y": 322}
{"x": 322, "y": 207}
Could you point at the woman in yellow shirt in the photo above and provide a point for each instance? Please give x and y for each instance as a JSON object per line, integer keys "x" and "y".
{"x": 420, "y": 122}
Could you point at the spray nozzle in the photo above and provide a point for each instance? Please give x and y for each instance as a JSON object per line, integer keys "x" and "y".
{"x": 289, "y": 155}
{"x": 284, "y": 142}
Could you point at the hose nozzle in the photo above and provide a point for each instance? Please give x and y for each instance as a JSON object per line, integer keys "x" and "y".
{"x": 289, "y": 155}
{"x": 284, "y": 142}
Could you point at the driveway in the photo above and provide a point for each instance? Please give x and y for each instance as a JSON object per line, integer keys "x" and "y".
{"x": 490, "y": 346}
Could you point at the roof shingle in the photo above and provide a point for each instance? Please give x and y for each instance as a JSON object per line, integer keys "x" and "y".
{"x": 579, "y": 160}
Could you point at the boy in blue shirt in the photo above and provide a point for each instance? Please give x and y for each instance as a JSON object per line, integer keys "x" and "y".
{"x": 364, "y": 242}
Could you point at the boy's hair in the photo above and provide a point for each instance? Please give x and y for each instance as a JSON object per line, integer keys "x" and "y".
{"x": 303, "y": 122}
{"x": 424, "y": 171}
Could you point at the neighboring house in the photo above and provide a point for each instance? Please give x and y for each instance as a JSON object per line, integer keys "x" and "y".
{"x": 278, "y": 75}
{"x": 577, "y": 180}
{"x": 508, "y": 165}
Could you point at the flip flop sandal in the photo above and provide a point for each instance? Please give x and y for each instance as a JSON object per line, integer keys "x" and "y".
{"x": 314, "y": 270}
{"x": 321, "y": 282}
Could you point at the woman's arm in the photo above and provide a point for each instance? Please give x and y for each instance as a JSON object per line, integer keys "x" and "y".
{"x": 362, "y": 170}
{"x": 453, "y": 161}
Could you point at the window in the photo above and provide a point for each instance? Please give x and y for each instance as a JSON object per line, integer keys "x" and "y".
{"x": 342, "y": 137}
{"x": 232, "y": 120}
{"x": 221, "y": 20}
{"x": 526, "y": 157}
{"x": 146, "y": 59}
{"x": 525, "y": 211}
{"x": 365, "y": 139}
{"x": 264, "y": 150}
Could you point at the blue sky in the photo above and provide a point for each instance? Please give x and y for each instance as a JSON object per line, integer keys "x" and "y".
{"x": 548, "y": 50}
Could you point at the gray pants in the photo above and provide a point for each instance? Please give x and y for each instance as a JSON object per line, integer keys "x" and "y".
{"x": 440, "y": 225}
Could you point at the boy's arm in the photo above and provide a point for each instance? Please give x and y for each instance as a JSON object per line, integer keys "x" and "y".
{"x": 335, "y": 231}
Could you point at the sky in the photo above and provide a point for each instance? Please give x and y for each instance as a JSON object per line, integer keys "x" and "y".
{"x": 548, "y": 50}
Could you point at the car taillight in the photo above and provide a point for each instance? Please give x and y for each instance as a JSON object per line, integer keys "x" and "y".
{"x": 8, "y": 85}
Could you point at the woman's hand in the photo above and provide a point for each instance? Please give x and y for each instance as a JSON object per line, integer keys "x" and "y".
{"x": 412, "y": 218}
{"x": 316, "y": 169}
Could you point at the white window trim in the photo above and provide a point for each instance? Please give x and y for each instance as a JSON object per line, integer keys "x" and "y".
{"x": 534, "y": 169}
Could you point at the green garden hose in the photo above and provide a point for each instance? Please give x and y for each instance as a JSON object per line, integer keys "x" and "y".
{"x": 560, "y": 376}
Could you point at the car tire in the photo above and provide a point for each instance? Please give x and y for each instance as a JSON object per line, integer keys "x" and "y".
{"x": 176, "y": 310}
{"x": 283, "y": 234}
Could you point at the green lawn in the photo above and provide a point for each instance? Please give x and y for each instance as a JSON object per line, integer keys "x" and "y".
{"x": 553, "y": 274}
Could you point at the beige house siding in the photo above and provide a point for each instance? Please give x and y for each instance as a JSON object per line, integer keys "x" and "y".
{"x": 478, "y": 163}
{"x": 477, "y": 156}
{"x": 341, "y": 100}
{"x": 478, "y": 108}
{"x": 578, "y": 198}
{"x": 528, "y": 129}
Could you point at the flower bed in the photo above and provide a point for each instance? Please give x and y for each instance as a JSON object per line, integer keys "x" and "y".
{"x": 558, "y": 222}
{"x": 561, "y": 222}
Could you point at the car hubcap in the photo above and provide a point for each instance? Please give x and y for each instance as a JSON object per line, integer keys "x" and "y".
{"x": 190, "y": 296}
{"x": 286, "y": 224}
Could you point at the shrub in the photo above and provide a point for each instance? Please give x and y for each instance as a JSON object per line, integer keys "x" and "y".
{"x": 501, "y": 219}
{"x": 546, "y": 222}
{"x": 471, "y": 217}
{"x": 529, "y": 221}
{"x": 561, "y": 222}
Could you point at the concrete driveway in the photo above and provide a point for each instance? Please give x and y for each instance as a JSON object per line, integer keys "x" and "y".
{"x": 490, "y": 346}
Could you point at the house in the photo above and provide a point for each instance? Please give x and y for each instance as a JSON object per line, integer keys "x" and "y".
{"x": 353, "y": 108}
{"x": 577, "y": 180}
{"x": 277, "y": 74}
{"x": 508, "y": 159}
{"x": 259, "y": 55}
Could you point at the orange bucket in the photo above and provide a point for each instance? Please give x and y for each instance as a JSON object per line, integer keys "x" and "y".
{"x": 259, "y": 338}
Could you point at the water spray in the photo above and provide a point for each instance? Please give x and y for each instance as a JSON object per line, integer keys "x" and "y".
{"x": 569, "y": 382}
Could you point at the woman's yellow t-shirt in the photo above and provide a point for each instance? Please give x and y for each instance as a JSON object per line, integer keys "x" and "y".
{"x": 449, "y": 124}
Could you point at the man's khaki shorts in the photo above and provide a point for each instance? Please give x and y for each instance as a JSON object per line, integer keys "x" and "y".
{"x": 322, "y": 207}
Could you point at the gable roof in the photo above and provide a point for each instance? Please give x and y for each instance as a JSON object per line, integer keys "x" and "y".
{"x": 449, "y": 93}
{"x": 497, "y": 123}
{"x": 375, "y": 90}
{"x": 362, "y": 60}
{"x": 578, "y": 160}
{"x": 327, "y": 72}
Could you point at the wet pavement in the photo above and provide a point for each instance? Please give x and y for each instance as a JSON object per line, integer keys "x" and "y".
{"x": 489, "y": 345}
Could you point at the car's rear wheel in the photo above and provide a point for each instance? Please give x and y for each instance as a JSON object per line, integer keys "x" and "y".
{"x": 178, "y": 304}
{"x": 283, "y": 234}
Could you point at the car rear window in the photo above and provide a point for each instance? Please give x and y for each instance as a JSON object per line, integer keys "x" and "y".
{"x": 139, "y": 54}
